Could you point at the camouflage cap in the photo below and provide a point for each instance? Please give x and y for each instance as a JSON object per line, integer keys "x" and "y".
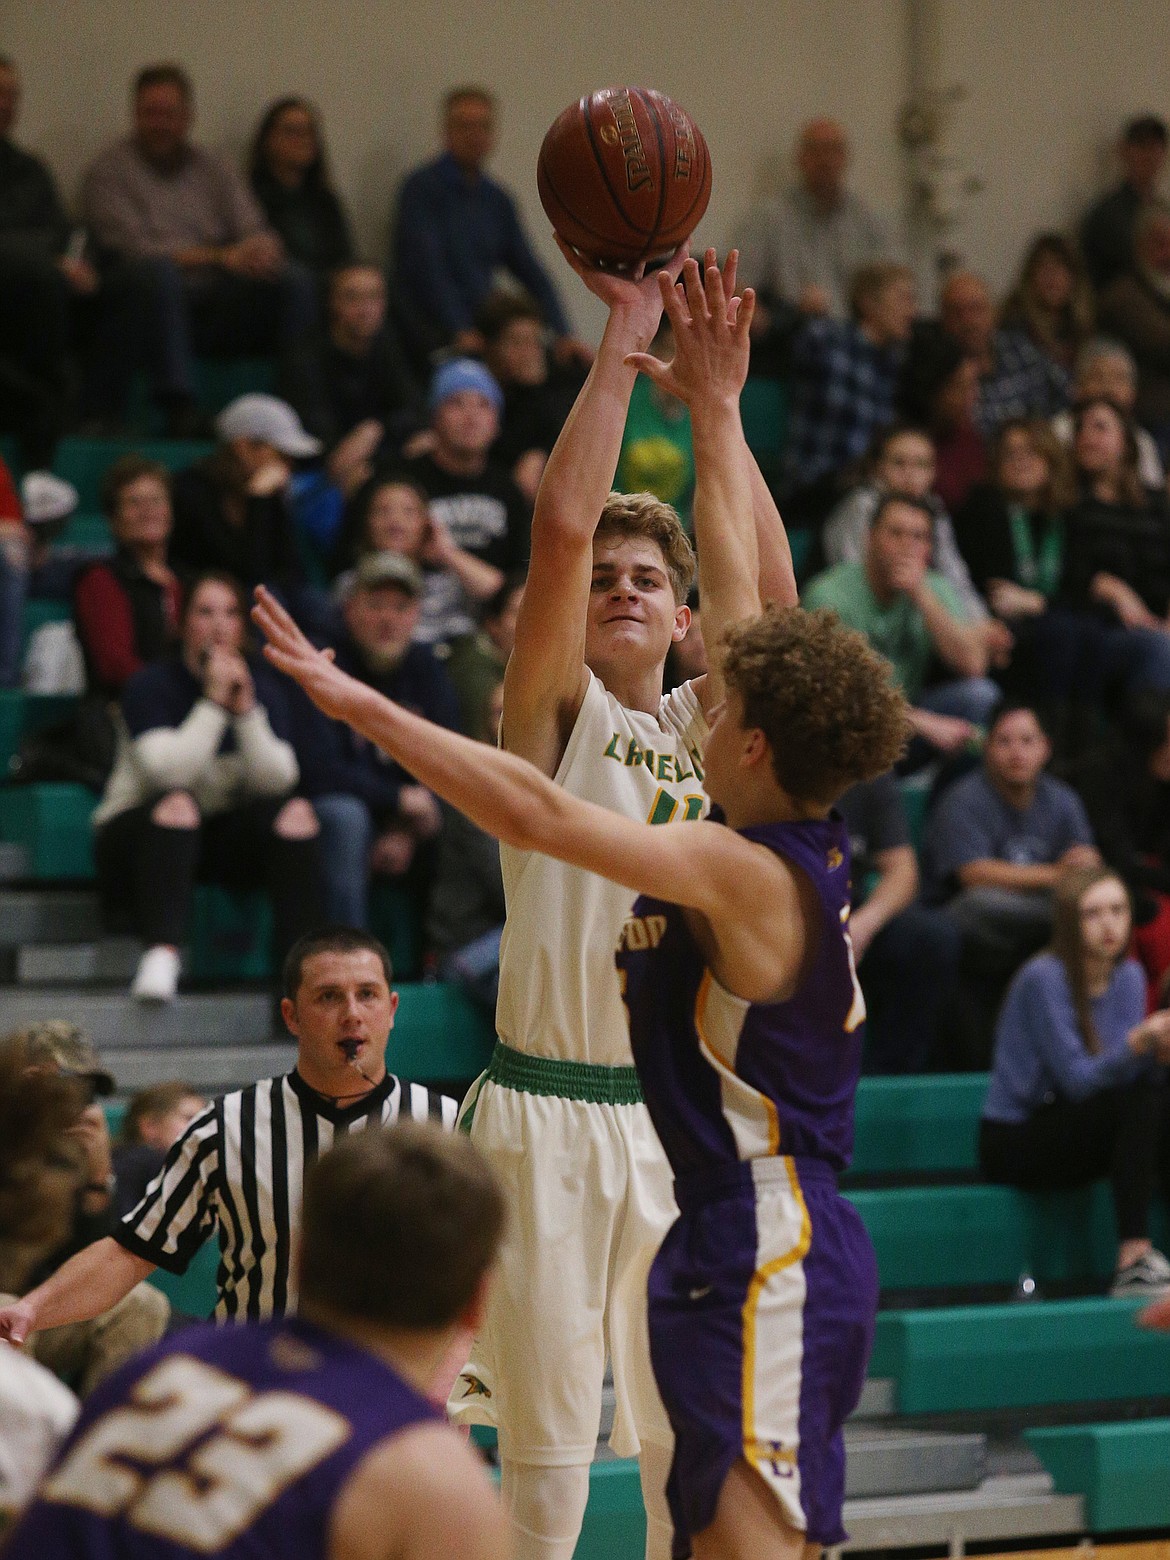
{"x": 69, "y": 1048}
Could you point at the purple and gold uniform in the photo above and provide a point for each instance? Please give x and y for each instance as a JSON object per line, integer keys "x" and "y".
{"x": 764, "y": 1293}
{"x": 230, "y": 1441}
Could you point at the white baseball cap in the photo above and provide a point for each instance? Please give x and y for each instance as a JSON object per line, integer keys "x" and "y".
{"x": 268, "y": 420}
{"x": 46, "y": 498}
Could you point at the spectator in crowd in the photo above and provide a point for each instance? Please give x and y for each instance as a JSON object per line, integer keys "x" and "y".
{"x": 348, "y": 383}
{"x": 913, "y": 617}
{"x": 1106, "y": 370}
{"x": 1125, "y": 785}
{"x": 199, "y": 788}
{"x": 476, "y": 663}
{"x": 473, "y": 496}
{"x": 41, "y": 270}
{"x": 845, "y": 376}
{"x": 1011, "y": 532}
{"x": 1073, "y": 1096}
{"x": 374, "y": 817}
{"x": 126, "y": 608}
{"x": 393, "y": 515}
{"x": 290, "y": 178}
{"x": 69, "y": 1174}
{"x": 901, "y": 460}
{"x": 537, "y": 394}
{"x": 37, "y": 1108}
{"x": 657, "y": 454}
{"x": 465, "y": 916}
{"x": 454, "y": 230}
{"x": 1016, "y": 379}
{"x": 1052, "y": 303}
{"x": 1107, "y": 229}
{"x": 232, "y": 511}
{"x": 995, "y": 845}
{"x": 1117, "y": 562}
{"x": 1136, "y": 308}
{"x": 804, "y": 247}
{"x": 15, "y": 544}
{"x": 155, "y": 1120}
{"x": 907, "y": 953}
{"x": 190, "y": 264}
{"x": 30, "y": 522}
{"x": 939, "y": 392}
{"x": 221, "y": 1178}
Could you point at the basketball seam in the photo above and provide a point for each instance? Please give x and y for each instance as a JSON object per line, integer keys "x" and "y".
{"x": 602, "y": 238}
{"x": 652, "y": 113}
{"x": 634, "y": 227}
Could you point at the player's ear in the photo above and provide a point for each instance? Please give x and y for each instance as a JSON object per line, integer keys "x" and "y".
{"x": 755, "y": 748}
{"x": 682, "y": 621}
{"x": 288, "y": 1011}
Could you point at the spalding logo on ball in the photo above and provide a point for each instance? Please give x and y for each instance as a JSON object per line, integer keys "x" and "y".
{"x": 624, "y": 176}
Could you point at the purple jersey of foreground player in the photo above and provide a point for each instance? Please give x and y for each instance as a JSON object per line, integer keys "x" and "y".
{"x": 232, "y": 1441}
{"x": 729, "y": 1080}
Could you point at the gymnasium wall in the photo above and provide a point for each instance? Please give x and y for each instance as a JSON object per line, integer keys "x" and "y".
{"x": 1047, "y": 81}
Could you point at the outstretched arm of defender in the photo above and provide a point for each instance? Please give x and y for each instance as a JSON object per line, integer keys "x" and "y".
{"x": 546, "y": 676}
{"x": 701, "y": 865}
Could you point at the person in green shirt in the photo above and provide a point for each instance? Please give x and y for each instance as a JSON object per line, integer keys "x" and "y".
{"x": 658, "y": 455}
{"x": 915, "y": 618}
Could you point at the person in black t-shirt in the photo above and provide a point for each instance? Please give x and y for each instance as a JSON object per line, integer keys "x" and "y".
{"x": 475, "y": 498}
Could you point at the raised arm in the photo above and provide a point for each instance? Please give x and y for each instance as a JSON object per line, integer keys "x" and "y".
{"x": 546, "y": 676}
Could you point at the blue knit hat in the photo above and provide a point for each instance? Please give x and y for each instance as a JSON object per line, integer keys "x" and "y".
{"x": 464, "y": 374}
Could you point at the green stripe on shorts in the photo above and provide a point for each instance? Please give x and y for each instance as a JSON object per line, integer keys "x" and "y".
{"x": 587, "y": 1081}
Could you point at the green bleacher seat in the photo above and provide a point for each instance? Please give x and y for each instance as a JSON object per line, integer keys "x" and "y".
{"x": 52, "y": 823}
{"x": 84, "y": 462}
{"x": 1121, "y": 1470}
{"x": 918, "y": 1125}
{"x": 763, "y": 407}
{"x": 615, "y": 1519}
{"x": 86, "y": 531}
{"x": 439, "y": 1033}
{"x": 21, "y": 713}
{"x": 192, "y": 1293}
{"x": 394, "y": 918}
{"x": 10, "y": 455}
{"x": 217, "y": 383}
{"x": 944, "y": 1236}
{"x": 229, "y": 937}
{"x": 1019, "y": 1355}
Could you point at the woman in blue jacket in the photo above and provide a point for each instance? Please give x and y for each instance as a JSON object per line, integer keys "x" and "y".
{"x": 1075, "y": 1092}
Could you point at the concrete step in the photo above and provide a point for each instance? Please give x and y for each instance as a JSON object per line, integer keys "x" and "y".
{"x": 1003, "y": 1508}
{"x": 878, "y": 1399}
{"x": 43, "y": 915}
{"x": 14, "y": 862}
{"x": 116, "y": 1022}
{"x": 910, "y": 1462}
{"x": 210, "y": 1069}
{"x": 108, "y": 962}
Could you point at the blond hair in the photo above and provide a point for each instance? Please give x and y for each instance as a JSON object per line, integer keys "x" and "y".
{"x": 645, "y": 517}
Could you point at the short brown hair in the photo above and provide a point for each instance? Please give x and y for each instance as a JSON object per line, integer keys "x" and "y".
{"x": 469, "y": 89}
{"x": 159, "y": 1100}
{"x": 641, "y": 515}
{"x": 125, "y": 471}
{"x": 330, "y": 939}
{"x": 825, "y": 700}
{"x": 400, "y": 1225}
{"x": 870, "y": 281}
{"x": 166, "y": 74}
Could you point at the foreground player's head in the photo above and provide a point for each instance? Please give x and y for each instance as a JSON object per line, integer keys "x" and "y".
{"x": 643, "y": 567}
{"x": 401, "y": 1227}
{"x": 811, "y": 709}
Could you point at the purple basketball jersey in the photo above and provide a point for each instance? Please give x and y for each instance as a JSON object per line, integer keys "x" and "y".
{"x": 230, "y": 1441}
{"x": 729, "y": 1080}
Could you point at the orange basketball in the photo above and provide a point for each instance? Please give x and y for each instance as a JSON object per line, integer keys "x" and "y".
{"x": 624, "y": 176}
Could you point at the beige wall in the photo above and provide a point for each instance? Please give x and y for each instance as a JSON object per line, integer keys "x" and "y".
{"x": 1048, "y": 81}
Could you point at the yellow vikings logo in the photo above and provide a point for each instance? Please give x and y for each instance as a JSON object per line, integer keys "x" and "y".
{"x": 834, "y": 859}
{"x": 473, "y": 1386}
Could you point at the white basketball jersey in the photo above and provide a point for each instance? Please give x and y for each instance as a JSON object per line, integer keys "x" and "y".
{"x": 559, "y": 993}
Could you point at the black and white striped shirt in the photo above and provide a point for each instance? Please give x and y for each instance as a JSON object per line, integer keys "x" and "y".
{"x": 239, "y": 1171}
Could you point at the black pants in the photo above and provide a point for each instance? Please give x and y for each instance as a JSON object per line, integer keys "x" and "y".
{"x": 1069, "y": 1143}
{"x": 147, "y": 873}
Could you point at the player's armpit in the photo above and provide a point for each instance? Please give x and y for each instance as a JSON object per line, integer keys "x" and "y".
{"x": 421, "y": 1495}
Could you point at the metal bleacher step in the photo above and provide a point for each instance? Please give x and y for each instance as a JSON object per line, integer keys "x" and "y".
{"x": 44, "y": 915}
{"x": 1004, "y": 1507}
{"x": 892, "y": 1461}
{"x": 110, "y": 961}
{"x": 115, "y": 1022}
{"x": 14, "y": 862}
{"x": 210, "y": 1069}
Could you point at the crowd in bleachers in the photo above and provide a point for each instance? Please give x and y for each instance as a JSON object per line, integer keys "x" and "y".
{"x": 983, "y": 493}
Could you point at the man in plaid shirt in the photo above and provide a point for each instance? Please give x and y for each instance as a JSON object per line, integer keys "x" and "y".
{"x": 845, "y": 374}
{"x": 1016, "y": 379}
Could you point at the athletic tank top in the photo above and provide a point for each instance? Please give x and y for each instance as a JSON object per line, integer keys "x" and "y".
{"x": 231, "y": 1441}
{"x": 726, "y": 1079}
{"x": 558, "y": 993}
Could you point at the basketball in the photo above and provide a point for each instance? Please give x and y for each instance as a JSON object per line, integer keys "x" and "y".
{"x": 624, "y": 176}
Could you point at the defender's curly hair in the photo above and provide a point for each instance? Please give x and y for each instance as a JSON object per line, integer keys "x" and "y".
{"x": 825, "y": 700}
{"x": 642, "y": 516}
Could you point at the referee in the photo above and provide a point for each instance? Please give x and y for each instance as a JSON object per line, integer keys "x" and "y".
{"x": 239, "y": 1168}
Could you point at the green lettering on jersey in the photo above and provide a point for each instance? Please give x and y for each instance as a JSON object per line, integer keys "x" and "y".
{"x": 694, "y": 808}
{"x": 612, "y": 750}
{"x": 634, "y": 754}
{"x": 664, "y": 808}
{"x": 664, "y": 766}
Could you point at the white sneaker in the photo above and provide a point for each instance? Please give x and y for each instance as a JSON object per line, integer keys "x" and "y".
{"x": 1148, "y": 1276}
{"x": 157, "y": 979}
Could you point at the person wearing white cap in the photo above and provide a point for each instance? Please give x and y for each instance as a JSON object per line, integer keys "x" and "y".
{"x": 231, "y": 510}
